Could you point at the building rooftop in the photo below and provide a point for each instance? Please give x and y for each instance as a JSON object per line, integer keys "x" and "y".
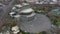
{"x": 38, "y": 24}
{"x": 15, "y": 29}
{"x": 27, "y": 10}
{"x": 33, "y": 22}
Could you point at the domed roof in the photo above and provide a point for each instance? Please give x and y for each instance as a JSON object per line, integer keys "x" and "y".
{"x": 27, "y": 10}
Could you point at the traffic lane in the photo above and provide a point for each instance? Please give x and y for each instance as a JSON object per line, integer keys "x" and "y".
{"x": 5, "y": 8}
{"x": 2, "y": 11}
{"x": 5, "y": 13}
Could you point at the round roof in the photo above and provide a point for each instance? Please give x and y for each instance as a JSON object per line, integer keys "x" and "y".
{"x": 27, "y": 10}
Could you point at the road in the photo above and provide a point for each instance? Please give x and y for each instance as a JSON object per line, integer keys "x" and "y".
{"x": 4, "y": 13}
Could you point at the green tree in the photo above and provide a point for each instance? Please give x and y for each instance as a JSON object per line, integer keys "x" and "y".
{"x": 43, "y": 32}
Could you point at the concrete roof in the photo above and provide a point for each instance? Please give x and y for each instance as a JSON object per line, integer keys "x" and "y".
{"x": 12, "y": 13}
{"x": 27, "y": 10}
{"x": 19, "y": 5}
{"x": 17, "y": 16}
{"x": 15, "y": 29}
{"x": 38, "y": 24}
{"x": 25, "y": 4}
{"x": 54, "y": 0}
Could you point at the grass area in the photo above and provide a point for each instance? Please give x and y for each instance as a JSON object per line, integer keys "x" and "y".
{"x": 57, "y": 22}
{"x": 45, "y": 8}
{"x": 9, "y": 23}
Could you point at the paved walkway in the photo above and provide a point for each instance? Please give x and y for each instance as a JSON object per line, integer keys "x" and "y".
{"x": 40, "y": 23}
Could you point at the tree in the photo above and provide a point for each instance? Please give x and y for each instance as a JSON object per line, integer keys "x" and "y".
{"x": 57, "y": 22}
{"x": 43, "y": 32}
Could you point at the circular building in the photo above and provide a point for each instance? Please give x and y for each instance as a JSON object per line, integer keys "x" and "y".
{"x": 29, "y": 21}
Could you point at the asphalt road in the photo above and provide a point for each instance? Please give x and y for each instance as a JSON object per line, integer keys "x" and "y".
{"x": 4, "y": 12}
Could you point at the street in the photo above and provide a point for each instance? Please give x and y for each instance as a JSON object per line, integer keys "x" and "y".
{"x": 4, "y": 13}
